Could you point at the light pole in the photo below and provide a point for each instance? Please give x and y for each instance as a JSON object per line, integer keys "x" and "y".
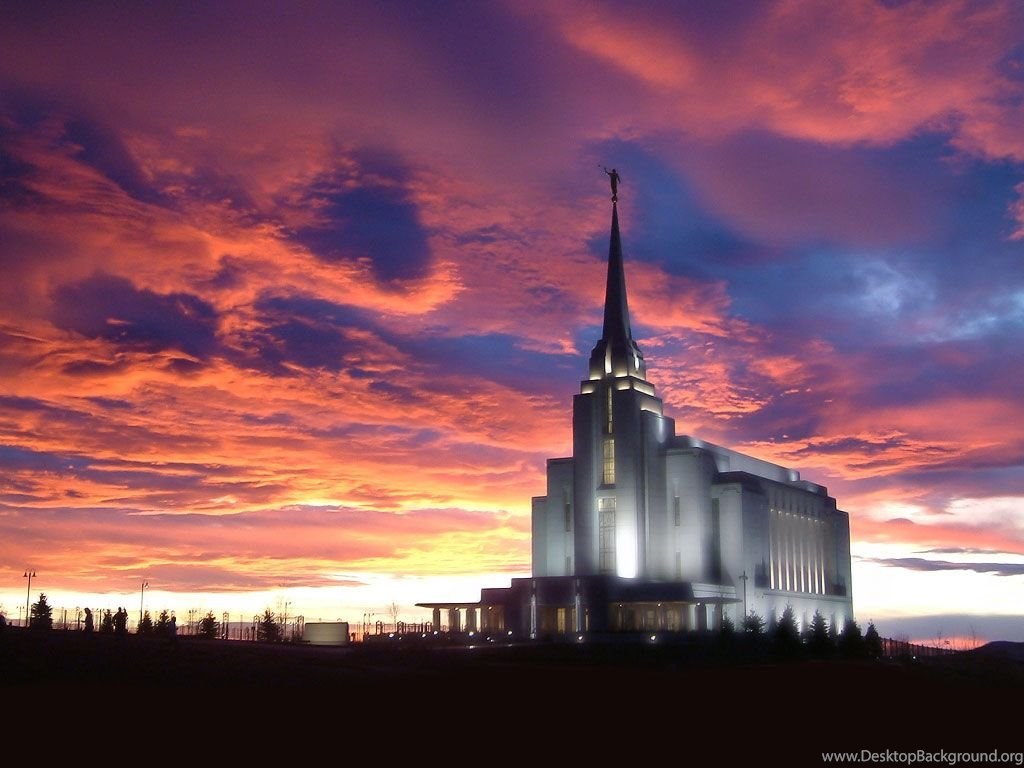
{"x": 142, "y": 600}
{"x": 744, "y": 578}
{"x": 29, "y": 574}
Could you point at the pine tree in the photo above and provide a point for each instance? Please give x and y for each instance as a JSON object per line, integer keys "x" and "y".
{"x": 268, "y": 630}
{"x": 209, "y": 626}
{"x": 146, "y": 625}
{"x": 872, "y": 642}
{"x": 163, "y": 624}
{"x": 753, "y": 624}
{"x": 727, "y": 629}
{"x": 787, "y": 636}
{"x": 851, "y": 644}
{"x": 817, "y": 639}
{"x": 41, "y": 615}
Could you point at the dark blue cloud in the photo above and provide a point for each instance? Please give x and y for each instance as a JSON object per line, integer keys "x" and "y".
{"x": 161, "y": 482}
{"x": 14, "y": 175}
{"x": 311, "y": 345}
{"x": 672, "y": 229}
{"x": 230, "y": 274}
{"x": 103, "y": 149}
{"x": 315, "y": 333}
{"x": 111, "y": 404}
{"x": 1011, "y": 66}
{"x": 301, "y": 330}
{"x": 865, "y": 265}
{"x": 921, "y": 564}
{"x": 376, "y": 220}
{"x": 313, "y": 309}
{"x": 498, "y": 357}
{"x": 14, "y": 458}
{"x": 109, "y": 307}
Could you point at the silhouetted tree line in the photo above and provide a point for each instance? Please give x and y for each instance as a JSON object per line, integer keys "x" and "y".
{"x": 819, "y": 639}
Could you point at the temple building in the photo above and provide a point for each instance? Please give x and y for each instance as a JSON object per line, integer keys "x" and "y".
{"x": 644, "y": 530}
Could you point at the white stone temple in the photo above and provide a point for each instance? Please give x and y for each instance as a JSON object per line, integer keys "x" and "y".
{"x": 644, "y": 530}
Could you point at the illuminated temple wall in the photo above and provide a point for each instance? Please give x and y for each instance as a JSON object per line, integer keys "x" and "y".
{"x": 637, "y": 502}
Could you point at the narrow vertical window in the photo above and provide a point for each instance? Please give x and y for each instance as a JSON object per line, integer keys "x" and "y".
{"x": 716, "y": 540}
{"x": 606, "y": 534}
{"x": 608, "y": 412}
{"x": 676, "y": 516}
{"x": 609, "y": 461}
{"x": 567, "y": 509}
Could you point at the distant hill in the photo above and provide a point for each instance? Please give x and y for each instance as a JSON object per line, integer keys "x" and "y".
{"x": 1001, "y": 649}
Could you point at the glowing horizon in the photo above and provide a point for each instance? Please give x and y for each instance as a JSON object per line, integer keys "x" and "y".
{"x": 291, "y": 314}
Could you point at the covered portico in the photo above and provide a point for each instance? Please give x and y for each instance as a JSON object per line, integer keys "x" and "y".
{"x": 560, "y": 605}
{"x": 459, "y": 617}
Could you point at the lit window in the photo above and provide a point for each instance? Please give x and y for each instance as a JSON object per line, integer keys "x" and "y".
{"x": 606, "y": 534}
{"x": 608, "y": 412}
{"x": 609, "y": 461}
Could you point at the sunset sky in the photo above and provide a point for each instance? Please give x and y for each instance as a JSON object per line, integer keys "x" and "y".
{"x": 295, "y": 297}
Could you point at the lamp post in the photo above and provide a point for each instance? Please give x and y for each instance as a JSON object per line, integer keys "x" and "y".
{"x": 142, "y": 600}
{"x": 744, "y": 578}
{"x": 29, "y": 574}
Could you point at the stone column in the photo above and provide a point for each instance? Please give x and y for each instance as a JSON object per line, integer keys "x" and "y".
{"x": 702, "y": 617}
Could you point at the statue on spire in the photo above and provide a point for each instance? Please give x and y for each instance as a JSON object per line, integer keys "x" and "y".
{"x": 614, "y": 177}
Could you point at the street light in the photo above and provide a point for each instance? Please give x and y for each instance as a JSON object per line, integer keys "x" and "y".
{"x": 29, "y": 574}
{"x": 142, "y": 599}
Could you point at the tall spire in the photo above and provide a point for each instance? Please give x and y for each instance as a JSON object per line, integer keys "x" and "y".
{"x": 616, "y": 354}
{"x": 616, "y": 307}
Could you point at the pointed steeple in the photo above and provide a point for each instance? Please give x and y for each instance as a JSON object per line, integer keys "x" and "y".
{"x": 616, "y": 307}
{"x": 616, "y": 354}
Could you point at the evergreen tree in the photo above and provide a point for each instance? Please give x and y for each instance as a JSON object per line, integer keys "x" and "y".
{"x": 268, "y": 630}
{"x": 851, "y": 644}
{"x": 727, "y": 629}
{"x": 787, "y": 636}
{"x": 146, "y": 625}
{"x": 163, "y": 624}
{"x": 209, "y": 626}
{"x": 107, "y": 623}
{"x": 872, "y": 642}
{"x": 817, "y": 638}
{"x": 41, "y": 614}
{"x": 753, "y": 624}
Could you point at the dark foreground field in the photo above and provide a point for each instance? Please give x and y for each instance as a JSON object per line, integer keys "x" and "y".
{"x": 594, "y": 699}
